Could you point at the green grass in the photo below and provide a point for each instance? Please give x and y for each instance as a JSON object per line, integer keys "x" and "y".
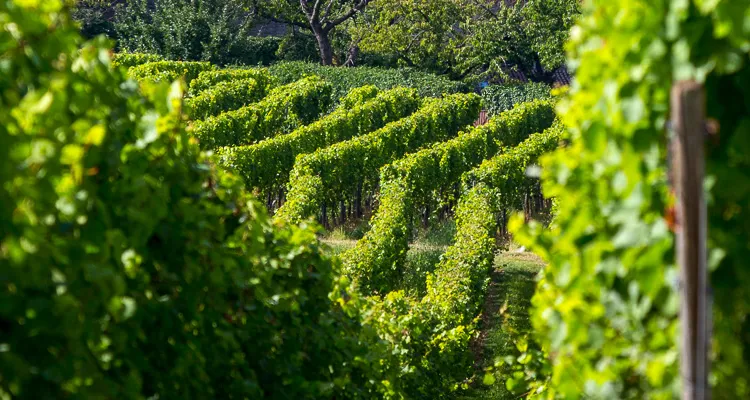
{"x": 422, "y": 258}
{"x": 505, "y": 319}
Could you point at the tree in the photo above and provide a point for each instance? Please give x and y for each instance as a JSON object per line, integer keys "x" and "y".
{"x": 321, "y": 17}
{"x": 206, "y": 30}
{"x": 95, "y": 17}
{"x": 528, "y": 36}
{"x": 548, "y": 22}
{"x": 606, "y": 309}
{"x": 472, "y": 37}
{"x": 421, "y": 33}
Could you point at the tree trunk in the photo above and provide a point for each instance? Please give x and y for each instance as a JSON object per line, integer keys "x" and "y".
{"x": 351, "y": 59}
{"x": 324, "y": 44}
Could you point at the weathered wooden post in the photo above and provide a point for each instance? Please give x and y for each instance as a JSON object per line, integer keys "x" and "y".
{"x": 688, "y": 123}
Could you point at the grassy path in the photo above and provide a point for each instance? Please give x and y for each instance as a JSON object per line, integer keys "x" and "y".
{"x": 506, "y": 311}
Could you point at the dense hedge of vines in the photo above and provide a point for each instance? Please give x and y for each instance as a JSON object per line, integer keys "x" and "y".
{"x": 284, "y": 109}
{"x": 430, "y": 336}
{"x": 208, "y": 79}
{"x": 225, "y": 96}
{"x": 606, "y": 310}
{"x": 132, "y": 268}
{"x": 128, "y": 60}
{"x": 344, "y": 79}
{"x": 418, "y": 180}
{"x": 343, "y": 171}
{"x": 358, "y": 96}
{"x": 499, "y": 98}
{"x": 168, "y": 71}
{"x": 265, "y": 166}
{"x": 433, "y": 333}
{"x": 508, "y": 173}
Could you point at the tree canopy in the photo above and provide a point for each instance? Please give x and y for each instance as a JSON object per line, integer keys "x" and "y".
{"x": 471, "y": 37}
{"x": 465, "y": 39}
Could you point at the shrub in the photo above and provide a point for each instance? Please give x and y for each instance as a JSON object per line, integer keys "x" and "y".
{"x": 433, "y": 334}
{"x": 168, "y": 71}
{"x": 344, "y": 79}
{"x": 208, "y": 79}
{"x": 225, "y": 96}
{"x": 336, "y": 173}
{"x": 266, "y": 165}
{"x": 455, "y": 291}
{"x": 128, "y": 60}
{"x": 358, "y": 96}
{"x": 419, "y": 179}
{"x": 499, "y": 98}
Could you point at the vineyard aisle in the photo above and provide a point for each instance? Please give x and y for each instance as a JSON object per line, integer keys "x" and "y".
{"x": 505, "y": 315}
{"x": 505, "y": 318}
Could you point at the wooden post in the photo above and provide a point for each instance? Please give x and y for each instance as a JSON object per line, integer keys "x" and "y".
{"x": 688, "y": 164}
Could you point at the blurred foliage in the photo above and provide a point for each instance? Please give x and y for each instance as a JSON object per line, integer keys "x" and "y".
{"x": 606, "y": 310}
{"x": 131, "y": 268}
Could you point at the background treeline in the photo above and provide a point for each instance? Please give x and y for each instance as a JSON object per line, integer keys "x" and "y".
{"x": 469, "y": 40}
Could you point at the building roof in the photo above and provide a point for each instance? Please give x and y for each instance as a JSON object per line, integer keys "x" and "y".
{"x": 269, "y": 28}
